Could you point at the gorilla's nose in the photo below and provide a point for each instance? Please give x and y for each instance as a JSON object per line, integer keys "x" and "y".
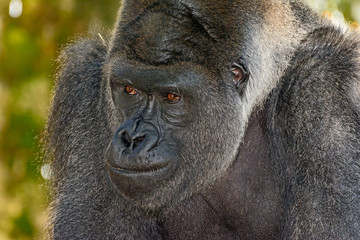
{"x": 136, "y": 138}
{"x": 130, "y": 147}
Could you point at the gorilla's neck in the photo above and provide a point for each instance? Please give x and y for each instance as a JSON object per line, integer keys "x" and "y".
{"x": 246, "y": 198}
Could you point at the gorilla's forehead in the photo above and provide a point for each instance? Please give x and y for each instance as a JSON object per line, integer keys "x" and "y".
{"x": 164, "y": 32}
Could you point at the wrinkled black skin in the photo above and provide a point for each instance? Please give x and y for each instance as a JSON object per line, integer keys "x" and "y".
{"x": 140, "y": 167}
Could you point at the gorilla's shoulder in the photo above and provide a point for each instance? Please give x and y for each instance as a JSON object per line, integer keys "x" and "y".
{"x": 324, "y": 72}
{"x": 318, "y": 95}
{"x": 81, "y": 61}
{"x": 80, "y": 72}
{"x": 329, "y": 49}
{"x": 77, "y": 90}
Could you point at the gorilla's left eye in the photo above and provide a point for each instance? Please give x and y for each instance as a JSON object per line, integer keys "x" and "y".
{"x": 173, "y": 98}
{"x": 240, "y": 74}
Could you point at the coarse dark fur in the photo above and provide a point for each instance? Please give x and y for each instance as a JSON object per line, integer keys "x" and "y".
{"x": 277, "y": 157}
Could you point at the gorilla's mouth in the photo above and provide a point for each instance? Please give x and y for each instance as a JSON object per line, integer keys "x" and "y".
{"x": 159, "y": 167}
{"x": 138, "y": 181}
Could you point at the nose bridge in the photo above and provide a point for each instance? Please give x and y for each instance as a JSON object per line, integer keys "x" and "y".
{"x": 130, "y": 126}
{"x": 150, "y": 110}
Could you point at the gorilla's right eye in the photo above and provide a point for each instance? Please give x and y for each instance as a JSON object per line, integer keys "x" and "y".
{"x": 173, "y": 98}
{"x": 130, "y": 90}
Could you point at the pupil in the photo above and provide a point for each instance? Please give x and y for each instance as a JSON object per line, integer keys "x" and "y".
{"x": 128, "y": 89}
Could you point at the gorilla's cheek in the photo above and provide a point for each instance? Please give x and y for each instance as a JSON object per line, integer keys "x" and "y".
{"x": 211, "y": 147}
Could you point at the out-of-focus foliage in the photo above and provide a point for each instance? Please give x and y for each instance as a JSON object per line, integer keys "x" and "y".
{"x": 28, "y": 48}
{"x": 29, "y": 45}
{"x": 343, "y": 10}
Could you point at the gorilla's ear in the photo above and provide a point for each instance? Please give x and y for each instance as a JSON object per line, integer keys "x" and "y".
{"x": 241, "y": 76}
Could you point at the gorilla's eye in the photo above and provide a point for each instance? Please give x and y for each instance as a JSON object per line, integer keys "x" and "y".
{"x": 240, "y": 74}
{"x": 130, "y": 90}
{"x": 172, "y": 98}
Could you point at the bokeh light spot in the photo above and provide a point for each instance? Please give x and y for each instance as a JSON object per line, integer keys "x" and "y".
{"x": 355, "y": 11}
{"x": 15, "y": 8}
{"x": 46, "y": 171}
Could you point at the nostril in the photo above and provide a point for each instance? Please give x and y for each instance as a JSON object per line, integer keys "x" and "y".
{"x": 138, "y": 141}
{"x": 129, "y": 142}
{"x": 126, "y": 139}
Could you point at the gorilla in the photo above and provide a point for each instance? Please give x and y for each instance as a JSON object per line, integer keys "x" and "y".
{"x": 194, "y": 119}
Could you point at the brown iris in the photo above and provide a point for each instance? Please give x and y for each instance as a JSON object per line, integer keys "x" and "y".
{"x": 238, "y": 74}
{"x": 171, "y": 97}
{"x": 130, "y": 90}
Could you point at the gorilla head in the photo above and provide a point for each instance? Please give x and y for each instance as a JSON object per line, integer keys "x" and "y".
{"x": 163, "y": 97}
{"x": 178, "y": 97}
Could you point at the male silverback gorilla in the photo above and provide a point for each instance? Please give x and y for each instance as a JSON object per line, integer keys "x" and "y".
{"x": 196, "y": 119}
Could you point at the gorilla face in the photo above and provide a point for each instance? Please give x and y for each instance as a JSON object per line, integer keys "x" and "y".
{"x": 169, "y": 142}
{"x": 179, "y": 115}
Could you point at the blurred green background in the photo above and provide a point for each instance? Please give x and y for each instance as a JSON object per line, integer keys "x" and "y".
{"x": 31, "y": 34}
